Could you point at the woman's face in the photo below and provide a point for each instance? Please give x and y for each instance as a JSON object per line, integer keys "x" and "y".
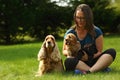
{"x": 80, "y": 19}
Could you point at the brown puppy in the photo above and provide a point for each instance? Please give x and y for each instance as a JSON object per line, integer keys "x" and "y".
{"x": 73, "y": 47}
{"x": 49, "y": 57}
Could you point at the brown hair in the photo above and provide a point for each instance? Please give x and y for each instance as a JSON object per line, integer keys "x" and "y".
{"x": 88, "y": 18}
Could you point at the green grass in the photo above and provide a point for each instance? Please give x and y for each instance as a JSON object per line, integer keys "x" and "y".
{"x": 19, "y": 62}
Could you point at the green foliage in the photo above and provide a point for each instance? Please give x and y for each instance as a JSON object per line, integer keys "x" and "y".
{"x": 16, "y": 17}
{"x": 19, "y": 62}
{"x": 37, "y": 18}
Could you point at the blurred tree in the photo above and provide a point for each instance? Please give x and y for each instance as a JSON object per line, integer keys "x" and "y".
{"x": 15, "y": 19}
{"x": 38, "y": 18}
{"x": 49, "y": 18}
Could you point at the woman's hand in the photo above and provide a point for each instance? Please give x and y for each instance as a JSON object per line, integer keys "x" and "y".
{"x": 65, "y": 52}
{"x": 97, "y": 55}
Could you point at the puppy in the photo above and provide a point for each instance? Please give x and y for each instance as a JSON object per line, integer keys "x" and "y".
{"x": 73, "y": 47}
{"x": 49, "y": 57}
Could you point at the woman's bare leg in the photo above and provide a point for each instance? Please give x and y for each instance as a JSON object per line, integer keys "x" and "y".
{"x": 82, "y": 66}
{"x": 104, "y": 61}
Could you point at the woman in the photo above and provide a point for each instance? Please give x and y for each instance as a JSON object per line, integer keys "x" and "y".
{"x": 89, "y": 36}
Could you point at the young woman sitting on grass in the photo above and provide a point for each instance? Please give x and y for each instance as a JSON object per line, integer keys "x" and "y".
{"x": 90, "y": 37}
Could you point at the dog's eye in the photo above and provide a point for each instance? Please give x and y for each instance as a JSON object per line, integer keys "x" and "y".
{"x": 52, "y": 39}
{"x": 46, "y": 39}
{"x": 69, "y": 36}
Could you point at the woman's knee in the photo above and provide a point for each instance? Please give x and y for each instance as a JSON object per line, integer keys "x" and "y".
{"x": 70, "y": 64}
{"x": 111, "y": 51}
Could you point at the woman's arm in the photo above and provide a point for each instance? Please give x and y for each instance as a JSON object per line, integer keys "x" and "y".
{"x": 99, "y": 46}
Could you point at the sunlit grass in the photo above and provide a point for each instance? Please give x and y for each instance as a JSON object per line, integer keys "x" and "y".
{"x": 19, "y": 62}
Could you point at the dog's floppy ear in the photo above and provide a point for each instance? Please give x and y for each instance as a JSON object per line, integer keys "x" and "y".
{"x": 79, "y": 43}
{"x": 42, "y": 52}
{"x": 44, "y": 44}
{"x": 55, "y": 56}
{"x": 54, "y": 41}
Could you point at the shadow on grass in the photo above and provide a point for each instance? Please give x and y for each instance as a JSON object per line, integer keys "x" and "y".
{"x": 18, "y": 53}
{"x": 115, "y": 71}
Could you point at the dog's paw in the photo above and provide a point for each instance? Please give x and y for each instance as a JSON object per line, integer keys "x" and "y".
{"x": 38, "y": 74}
{"x": 38, "y": 59}
{"x": 41, "y": 58}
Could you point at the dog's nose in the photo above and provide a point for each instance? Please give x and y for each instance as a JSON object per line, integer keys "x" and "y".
{"x": 49, "y": 42}
{"x": 66, "y": 40}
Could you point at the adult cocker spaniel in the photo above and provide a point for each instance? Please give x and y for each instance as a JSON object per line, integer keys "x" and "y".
{"x": 49, "y": 57}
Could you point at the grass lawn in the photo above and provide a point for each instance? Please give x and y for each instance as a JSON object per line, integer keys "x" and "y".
{"x": 19, "y": 62}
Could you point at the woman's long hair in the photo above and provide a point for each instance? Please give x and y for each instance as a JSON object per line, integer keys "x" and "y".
{"x": 88, "y": 18}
